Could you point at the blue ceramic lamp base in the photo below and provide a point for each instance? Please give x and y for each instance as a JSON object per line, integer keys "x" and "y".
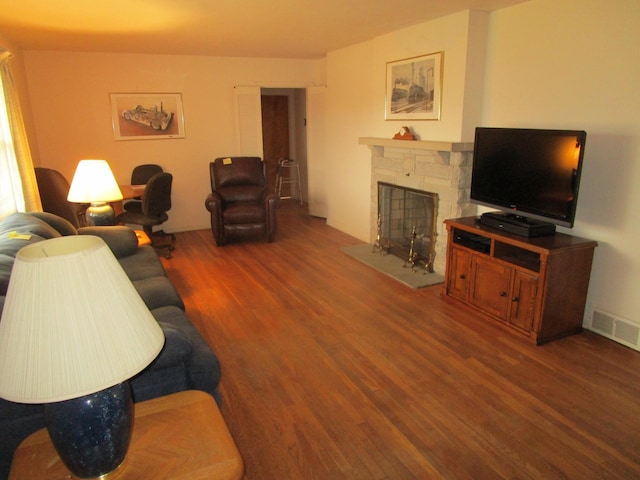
{"x": 100, "y": 214}
{"x": 92, "y": 433}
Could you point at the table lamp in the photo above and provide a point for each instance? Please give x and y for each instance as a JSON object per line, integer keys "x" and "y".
{"x": 73, "y": 331}
{"x": 94, "y": 183}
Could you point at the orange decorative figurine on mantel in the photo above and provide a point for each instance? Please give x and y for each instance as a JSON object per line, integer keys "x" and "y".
{"x": 404, "y": 134}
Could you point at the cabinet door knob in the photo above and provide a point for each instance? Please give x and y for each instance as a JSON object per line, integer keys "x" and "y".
{"x": 515, "y": 299}
{"x": 503, "y": 294}
{"x": 462, "y": 276}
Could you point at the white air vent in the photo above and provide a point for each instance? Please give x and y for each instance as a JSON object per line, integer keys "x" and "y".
{"x": 616, "y": 328}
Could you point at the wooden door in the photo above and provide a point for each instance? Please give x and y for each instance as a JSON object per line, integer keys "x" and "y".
{"x": 523, "y": 301}
{"x": 458, "y": 275}
{"x": 248, "y": 121}
{"x": 275, "y": 133}
{"x": 490, "y": 286}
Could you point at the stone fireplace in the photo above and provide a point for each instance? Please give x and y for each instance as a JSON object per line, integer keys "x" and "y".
{"x": 407, "y": 223}
{"x": 442, "y": 168}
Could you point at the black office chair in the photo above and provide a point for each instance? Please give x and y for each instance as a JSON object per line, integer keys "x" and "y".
{"x": 141, "y": 174}
{"x": 54, "y": 188}
{"x": 152, "y": 210}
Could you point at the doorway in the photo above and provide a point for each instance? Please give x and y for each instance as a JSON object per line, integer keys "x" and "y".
{"x": 275, "y": 133}
{"x": 284, "y": 131}
{"x": 306, "y": 135}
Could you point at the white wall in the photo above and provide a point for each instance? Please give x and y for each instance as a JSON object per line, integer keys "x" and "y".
{"x": 574, "y": 64}
{"x": 545, "y": 64}
{"x": 69, "y": 95}
{"x": 348, "y": 110}
{"x": 356, "y": 102}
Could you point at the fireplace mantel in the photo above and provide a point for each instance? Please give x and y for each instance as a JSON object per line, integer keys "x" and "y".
{"x": 417, "y": 144}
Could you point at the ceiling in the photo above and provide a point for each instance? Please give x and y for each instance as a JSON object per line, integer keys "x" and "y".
{"x": 239, "y": 28}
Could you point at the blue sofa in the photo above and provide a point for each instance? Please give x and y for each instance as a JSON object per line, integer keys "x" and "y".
{"x": 186, "y": 361}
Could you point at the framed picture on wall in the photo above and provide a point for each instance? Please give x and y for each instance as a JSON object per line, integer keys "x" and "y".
{"x": 147, "y": 116}
{"x": 414, "y": 88}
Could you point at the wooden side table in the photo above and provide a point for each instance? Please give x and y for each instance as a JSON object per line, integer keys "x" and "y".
{"x": 179, "y": 436}
{"x": 143, "y": 238}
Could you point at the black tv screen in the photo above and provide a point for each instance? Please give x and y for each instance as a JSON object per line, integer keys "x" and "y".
{"x": 530, "y": 173}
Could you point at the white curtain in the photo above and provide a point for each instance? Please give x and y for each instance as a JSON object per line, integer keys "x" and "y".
{"x": 18, "y": 187}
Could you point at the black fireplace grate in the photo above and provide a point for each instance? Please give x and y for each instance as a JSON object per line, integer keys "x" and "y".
{"x": 402, "y": 210}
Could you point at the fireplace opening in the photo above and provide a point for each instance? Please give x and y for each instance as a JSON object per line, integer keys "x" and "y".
{"x": 406, "y": 223}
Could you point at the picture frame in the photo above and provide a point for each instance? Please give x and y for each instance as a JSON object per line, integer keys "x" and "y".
{"x": 414, "y": 88}
{"x": 147, "y": 116}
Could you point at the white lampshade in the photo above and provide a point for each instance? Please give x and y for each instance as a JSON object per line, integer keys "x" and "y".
{"x": 72, "y": 324}
{"x": 94, "y": 182}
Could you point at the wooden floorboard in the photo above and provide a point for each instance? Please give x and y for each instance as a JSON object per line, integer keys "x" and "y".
{"x": 331, "y": 370}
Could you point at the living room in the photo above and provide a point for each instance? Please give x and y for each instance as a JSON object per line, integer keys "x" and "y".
{"x": 540, "y": 64}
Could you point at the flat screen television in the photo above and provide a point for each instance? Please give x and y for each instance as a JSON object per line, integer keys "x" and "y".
{"x": 531, "y": 176}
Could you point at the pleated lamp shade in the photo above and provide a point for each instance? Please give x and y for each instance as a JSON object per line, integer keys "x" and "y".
{"x": 72, "y": 324}
{"x": 93, "y": 181}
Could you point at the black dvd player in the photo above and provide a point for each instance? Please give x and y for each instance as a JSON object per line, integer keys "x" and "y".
{"x": 525, "y": 227}
{"x": 472, "y": 241}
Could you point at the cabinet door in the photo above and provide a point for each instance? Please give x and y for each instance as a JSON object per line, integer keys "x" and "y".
{"x": 490, "y": 287}
{"x": 458, "y": 281}
{"x": 523, "y": 300}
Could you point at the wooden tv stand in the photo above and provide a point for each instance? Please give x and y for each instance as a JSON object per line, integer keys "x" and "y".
{"x": 533, "y": 287}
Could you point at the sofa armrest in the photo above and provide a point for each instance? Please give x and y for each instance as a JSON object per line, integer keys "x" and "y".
{"x": 121, "y": 240}
{"x": 213, "y": 202}
{"x": 271, "y": 201}
{"x": 203, "y": 368}
{"x": 62, "y": 225}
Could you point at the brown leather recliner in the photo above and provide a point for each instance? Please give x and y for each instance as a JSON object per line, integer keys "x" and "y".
{"x": 240, "y": 203}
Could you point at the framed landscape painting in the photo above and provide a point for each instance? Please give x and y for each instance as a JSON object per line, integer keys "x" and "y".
{"x": 414, "y": 88}
{"x": 145, "y": 116}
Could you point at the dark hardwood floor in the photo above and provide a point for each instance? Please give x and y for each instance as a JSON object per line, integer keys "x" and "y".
{"x": 331, "y": 370}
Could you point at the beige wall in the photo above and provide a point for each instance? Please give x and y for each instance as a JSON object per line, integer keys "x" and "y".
{"x": 69, "y": 93}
